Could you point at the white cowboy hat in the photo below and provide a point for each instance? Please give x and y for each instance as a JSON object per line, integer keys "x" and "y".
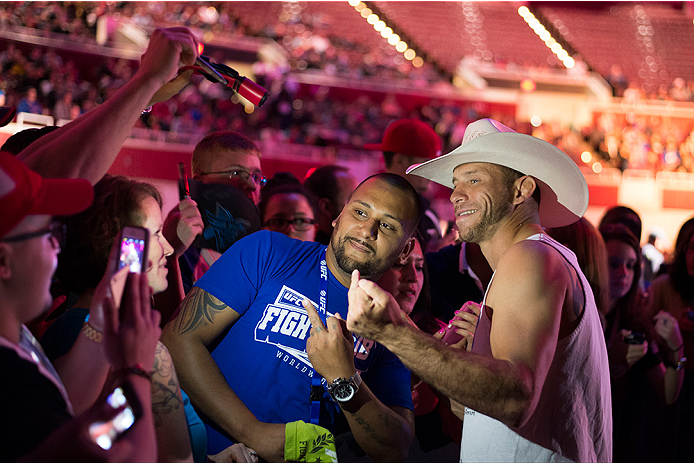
{"x": 564, "y": 192}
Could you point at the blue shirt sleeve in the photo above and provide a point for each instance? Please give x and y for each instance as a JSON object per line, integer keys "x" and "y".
{"x": 235, "y": 277}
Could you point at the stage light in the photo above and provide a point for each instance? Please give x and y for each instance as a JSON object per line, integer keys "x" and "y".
{"x": 555, "y": 48}
{"x": 536, "y": 121}
{"x": 523, "y": 10}
{"x": 569, "y": 62}
{"x": 586, "y": 157}
{"x": 597, "y": 167}
{"x": 387, "y": 33}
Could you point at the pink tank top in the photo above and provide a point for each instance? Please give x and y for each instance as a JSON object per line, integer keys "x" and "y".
{"x": 573, "y": 418}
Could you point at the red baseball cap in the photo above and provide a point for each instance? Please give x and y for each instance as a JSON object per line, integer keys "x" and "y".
{"x": 410, "y": 137}
{"x": 23, "y": 192}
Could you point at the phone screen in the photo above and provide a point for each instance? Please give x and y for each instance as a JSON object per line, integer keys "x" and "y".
{"x": 131, "y": 254}
{"x": 104, "y": 433}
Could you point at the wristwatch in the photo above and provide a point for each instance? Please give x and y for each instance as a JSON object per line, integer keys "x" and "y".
{"x": 344, "y": 389}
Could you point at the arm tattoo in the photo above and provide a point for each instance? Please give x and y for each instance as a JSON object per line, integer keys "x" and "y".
{"x": 165, "y": 387}
{"x": 199, "y": 307}
{"x": 361, "y": 421}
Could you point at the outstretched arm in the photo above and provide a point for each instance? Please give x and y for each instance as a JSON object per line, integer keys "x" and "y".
{"x": 523, "y": 338}
{"x": 87, "y": 146}
{"x": 201, "y": 319}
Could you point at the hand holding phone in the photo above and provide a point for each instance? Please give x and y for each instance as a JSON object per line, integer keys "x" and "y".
{"x": 465, "y": 319}
{"x": 131, "y": 253}
{"x": 450, "y": 335}
{"x": 105, "y": 433}
{"x": 133, "y": 249}
{"x": 120, "y": 262}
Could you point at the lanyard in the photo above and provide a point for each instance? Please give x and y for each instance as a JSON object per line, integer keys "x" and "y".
{"x": 316, "y": 379}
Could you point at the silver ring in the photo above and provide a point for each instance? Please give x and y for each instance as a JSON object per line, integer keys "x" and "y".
{"x": 253, "y": 453}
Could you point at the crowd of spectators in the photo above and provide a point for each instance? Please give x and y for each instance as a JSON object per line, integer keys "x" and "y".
{"x": 76, "y": 19}
{"x": 629, "y": 141}
{"x": 644, "y": 142}
{"x": 305, "y": 36}
{"x": 43, "y": 81}
{"x": 622, "y": 87}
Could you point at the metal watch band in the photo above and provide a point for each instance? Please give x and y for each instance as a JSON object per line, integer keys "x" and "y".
{"x": 344, "y": 389}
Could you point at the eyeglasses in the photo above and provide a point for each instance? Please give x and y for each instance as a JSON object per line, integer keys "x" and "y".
{"x": 56, "y": 229}
{"x": 299, "y": 223}
{"x": 240, "y": 174}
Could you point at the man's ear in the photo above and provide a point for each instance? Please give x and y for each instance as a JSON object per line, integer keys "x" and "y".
{"x": 334, "y": 223}
{"x": 523, "y": 188}
{"x": 407, "y": 250}
{"x": 5, "y": 259}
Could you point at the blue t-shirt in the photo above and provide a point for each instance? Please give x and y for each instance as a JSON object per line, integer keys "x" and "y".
{"x": 264, "y": 277}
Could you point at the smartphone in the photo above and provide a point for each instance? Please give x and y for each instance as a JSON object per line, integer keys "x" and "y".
{"x": 133, "y": 249}
{"x": 133, "y": 244}
{"x": 105, "y": 433}
{"x": 450, "y": 336}
{"x": 635, "y": 338}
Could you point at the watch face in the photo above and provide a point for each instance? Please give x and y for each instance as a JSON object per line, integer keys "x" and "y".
{"x": 343, "y": 391}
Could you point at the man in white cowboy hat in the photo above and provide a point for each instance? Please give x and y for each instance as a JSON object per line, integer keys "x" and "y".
{"x": 536, "y": 383}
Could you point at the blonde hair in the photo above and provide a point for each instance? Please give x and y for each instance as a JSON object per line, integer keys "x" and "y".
{"x": 225, "y": 141}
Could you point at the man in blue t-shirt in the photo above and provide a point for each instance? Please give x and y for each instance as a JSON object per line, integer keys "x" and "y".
{"x": 240, "y": 338}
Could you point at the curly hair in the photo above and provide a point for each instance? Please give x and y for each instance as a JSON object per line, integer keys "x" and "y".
{"x": 117, "y": 203}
